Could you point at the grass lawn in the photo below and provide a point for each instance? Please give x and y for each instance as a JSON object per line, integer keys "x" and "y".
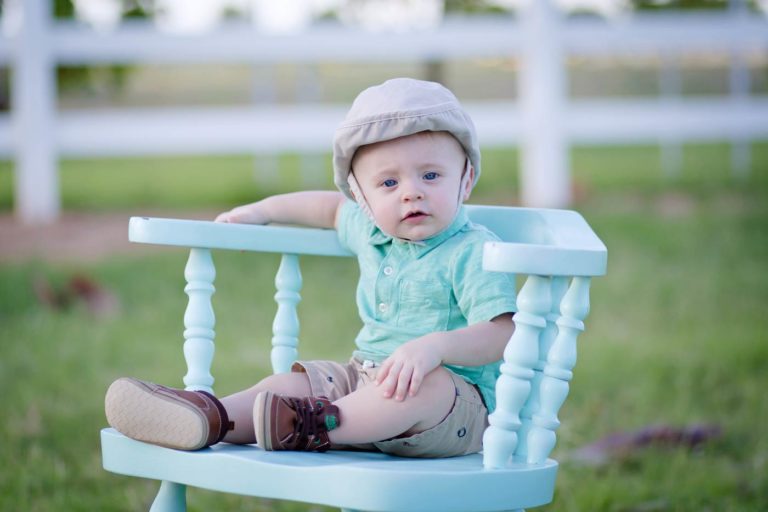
{"x": 678, "y": 333}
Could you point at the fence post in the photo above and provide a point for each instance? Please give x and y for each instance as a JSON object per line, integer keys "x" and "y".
{"x": 545, "y": 175}
{"x": 670, "y": 89}
{"x": 739, "y": 90}
{"x": 33, "y": 100}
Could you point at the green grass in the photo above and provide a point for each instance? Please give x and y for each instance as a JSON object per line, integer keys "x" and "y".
{"x": 676, "y": 336}
{"x": 218, "y": 182}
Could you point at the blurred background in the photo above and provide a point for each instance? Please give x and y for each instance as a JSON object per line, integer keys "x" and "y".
{"x": 649, "y": 117}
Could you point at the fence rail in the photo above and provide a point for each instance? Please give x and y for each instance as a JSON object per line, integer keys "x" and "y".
{"x": 274, "y": 129}
{"x": 543, "y": 121}
{"x": 139, "y": 41}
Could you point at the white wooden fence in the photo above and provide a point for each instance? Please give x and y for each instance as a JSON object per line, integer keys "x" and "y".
{"x": 543, "y": 121}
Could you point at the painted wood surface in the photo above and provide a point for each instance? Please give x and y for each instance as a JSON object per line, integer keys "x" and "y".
{"x": 558, "y": 371}
{"x": 513, "y": 386}
{"x": 199, "y": 320}
{"x": 363, "y": 481}
{"x": 285, "y": 328}
{"x": 556, "y": 250}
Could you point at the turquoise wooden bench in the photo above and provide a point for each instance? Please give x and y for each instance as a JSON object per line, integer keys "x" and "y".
{"x": 558, "y": 252}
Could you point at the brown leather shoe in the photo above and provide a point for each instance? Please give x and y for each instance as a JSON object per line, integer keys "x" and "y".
{"x": 290, "y": 423}
{"x": 174, "y": 418}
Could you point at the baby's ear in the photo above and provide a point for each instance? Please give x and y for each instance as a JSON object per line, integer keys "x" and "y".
{"x": 467, "y": 181}
{"x": 354, "y": 187}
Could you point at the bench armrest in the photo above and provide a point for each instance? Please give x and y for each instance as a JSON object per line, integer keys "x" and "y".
{"x": 203, "y": 234}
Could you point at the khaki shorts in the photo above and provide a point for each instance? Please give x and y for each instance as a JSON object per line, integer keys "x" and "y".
{"x": 460, "y": 433}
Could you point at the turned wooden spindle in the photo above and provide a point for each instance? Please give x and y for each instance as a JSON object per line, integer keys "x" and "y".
{"x": 546, "y": 339}
{"x": 514, "y": 384}
{"x": 285, "y": 327}
{"x": 199, "y": 320}
{"x": 558, "y": 370}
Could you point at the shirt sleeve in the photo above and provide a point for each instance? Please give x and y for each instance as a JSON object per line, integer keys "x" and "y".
{"x": 353, "y": 226}
{"x": 481, "y": 295}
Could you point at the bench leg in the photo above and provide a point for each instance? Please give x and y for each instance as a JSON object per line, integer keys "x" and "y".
{"x": 352, "y": 510}
{"x": 171, "y": 497}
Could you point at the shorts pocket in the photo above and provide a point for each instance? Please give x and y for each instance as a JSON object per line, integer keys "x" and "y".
{"x": 460, "y": 433}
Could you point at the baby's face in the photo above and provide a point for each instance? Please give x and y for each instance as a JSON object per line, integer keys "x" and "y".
{"x": 412, "y": 183}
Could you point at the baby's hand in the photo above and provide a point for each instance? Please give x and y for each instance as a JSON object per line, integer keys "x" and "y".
{"x": 247, "y": 214}
{"x": 403, "y": 372}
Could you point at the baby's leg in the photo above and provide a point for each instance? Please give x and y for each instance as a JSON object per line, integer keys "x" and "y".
{"x": 367, "y": 416}
{"x": 240, "y": 405}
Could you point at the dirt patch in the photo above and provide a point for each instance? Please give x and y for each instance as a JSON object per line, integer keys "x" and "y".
{"x": 674, "y": 205}
{"x": 78, "y": 237}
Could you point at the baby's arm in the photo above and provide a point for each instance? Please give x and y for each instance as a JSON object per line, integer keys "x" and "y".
{"x": 314, "y": 208}
{"x": 478, "y": 344}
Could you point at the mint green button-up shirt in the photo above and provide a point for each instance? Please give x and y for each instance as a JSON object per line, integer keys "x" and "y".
{"x": 409, "y": 289}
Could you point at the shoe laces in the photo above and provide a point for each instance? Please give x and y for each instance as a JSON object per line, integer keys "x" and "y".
{"x": 311, "y": 426}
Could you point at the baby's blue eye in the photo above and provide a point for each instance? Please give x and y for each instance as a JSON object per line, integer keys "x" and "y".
{"x": 431, "y": 175}
{"x": 389, "y": 183}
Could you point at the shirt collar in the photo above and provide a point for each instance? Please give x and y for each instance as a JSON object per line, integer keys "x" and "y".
{"x": 422, "y": 247}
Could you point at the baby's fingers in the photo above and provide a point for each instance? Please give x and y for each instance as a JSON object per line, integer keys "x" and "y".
{"x": 416, "y": 379}
{"x": 403, "y": 383}
{"x": 383, "y": 371}
{"x": 390, "y": 382}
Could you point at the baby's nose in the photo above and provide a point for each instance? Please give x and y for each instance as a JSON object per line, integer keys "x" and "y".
{"x": 412, "y": 192}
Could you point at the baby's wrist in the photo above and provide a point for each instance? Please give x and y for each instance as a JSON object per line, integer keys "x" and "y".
{"x": 435, "y": 344}
{"x": 264, "y": 211}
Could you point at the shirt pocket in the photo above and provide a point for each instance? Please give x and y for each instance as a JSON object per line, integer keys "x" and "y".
{"x": 423, "y": 306}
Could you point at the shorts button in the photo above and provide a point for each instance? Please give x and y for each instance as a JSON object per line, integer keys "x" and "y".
{"x": 388, "y": 271}
{"x": 383, "y": 307}
{"x": 462, "y": 432}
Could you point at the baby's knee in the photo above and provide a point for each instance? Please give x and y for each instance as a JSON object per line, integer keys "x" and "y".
{"x": 438, "y": 385}
{"x": 439, "y": 378}
{"x": 290, "y": 384}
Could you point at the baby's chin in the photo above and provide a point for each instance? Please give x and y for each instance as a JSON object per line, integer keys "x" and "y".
{"x": 419, "y": 233}
{"x": 413, "y": 232}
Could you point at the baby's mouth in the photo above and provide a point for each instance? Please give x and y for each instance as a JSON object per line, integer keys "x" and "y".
{"x": 414, "y": 216}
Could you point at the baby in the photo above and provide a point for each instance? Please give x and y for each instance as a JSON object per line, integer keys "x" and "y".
{"x": 421, "y": 382}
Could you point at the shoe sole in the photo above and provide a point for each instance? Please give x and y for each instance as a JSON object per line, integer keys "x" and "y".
{"x": 260, "y": 423}
{"x": 134, "y": 410}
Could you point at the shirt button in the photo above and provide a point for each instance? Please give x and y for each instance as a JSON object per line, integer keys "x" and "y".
{"x": 383, "y": 307}
{"x": 388, "y": 271}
